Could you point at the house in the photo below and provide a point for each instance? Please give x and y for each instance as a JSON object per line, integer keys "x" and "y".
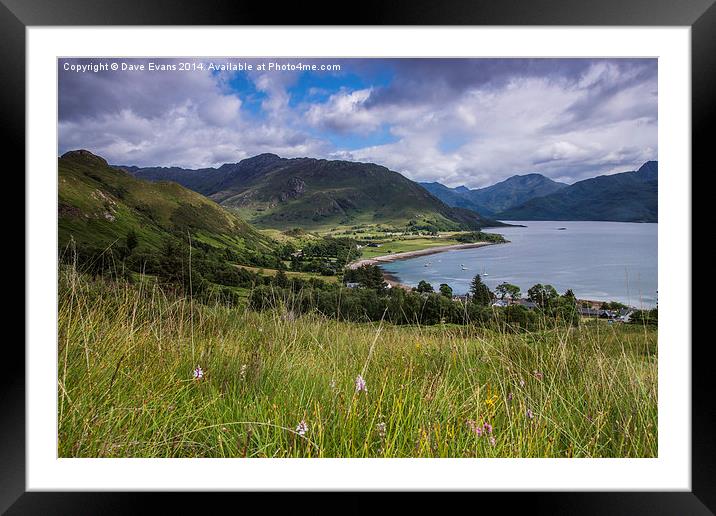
{"x": 625, "y": 315}
{"x": 586, "y": 311}
{"x": 531, "y": 305}
{"x": 352, "y": 284}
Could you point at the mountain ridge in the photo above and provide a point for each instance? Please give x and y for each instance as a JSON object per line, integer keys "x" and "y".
{"x": 271, "y": 191}
{"x": 492, "y": 199}
{"x": 624, "y": 197}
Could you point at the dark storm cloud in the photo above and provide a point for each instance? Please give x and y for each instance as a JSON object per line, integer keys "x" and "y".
{"x": 435, "y": 79}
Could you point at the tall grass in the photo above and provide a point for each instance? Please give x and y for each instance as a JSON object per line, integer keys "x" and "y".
{"x": 126, "y": 389}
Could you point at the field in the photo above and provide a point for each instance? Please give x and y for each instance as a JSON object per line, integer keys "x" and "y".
{"x": 291, "y": 274}
{"x": 126, "y": 386}
{"x": 405, "y": 245}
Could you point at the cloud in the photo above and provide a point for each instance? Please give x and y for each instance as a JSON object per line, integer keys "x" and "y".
{"x": 457, "y": 121}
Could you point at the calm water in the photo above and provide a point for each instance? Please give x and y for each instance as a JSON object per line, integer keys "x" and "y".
{"x": 597, "y": 260}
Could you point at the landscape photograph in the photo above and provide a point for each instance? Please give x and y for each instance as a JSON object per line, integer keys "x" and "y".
{"x": 357, "y": 257}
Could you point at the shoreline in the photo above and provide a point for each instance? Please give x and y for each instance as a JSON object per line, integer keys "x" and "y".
{"x": 392, "y": 279}
{"x": 413, "y": 254}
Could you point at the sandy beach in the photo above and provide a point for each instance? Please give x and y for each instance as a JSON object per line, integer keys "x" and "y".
{"x": 412, "y": 254}
{"x": 393, "y": 280}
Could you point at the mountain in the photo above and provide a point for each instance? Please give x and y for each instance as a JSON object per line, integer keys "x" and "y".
{"x": 625, "y": 197}
{"x": 498, "y": 197}
{"x": 99, "y": 204}
{"x": 456, "y": 197}
{"x": 275, "y": 192}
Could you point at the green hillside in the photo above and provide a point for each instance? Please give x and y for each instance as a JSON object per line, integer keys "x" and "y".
{"x": 274, "y": 192}
{"x": 99, "y": 205}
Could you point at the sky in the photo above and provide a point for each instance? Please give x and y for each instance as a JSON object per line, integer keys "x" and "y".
{"x": 471, "y": 122}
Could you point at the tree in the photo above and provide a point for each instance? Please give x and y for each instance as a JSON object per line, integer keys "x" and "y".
{"x": 543, "y": 295}
{"x": 369, "y": 276}
{"x": 424, "y": 287}
{"x": 564, "y": 309}
{"x": 445, "y": 290}
{"x": 481, "y": 294}
{"x": 508, "y": 289}
{"x": 281, "y": 279}
{"x": 131, "y": 241}
{"x": 645, "y": 317}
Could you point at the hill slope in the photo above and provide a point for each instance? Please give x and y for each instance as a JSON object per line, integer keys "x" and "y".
{"x": 626, "y": 197}
{"x": 99, "y": 204}
{"x": 276, "y": 192}
{"x": 511, "y": 192}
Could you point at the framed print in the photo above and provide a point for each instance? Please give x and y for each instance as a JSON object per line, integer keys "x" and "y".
{"x": 418, "y": 253}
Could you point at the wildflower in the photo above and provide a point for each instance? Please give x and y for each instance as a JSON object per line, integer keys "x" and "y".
{"x": 198, "y": 373}
{"x": 509, "y": 397}
{"x": 487, "y": 427}
{"x": 491, "y": 400}
{"x": 360, "y": 384}
{"x": 302, "y": 428}
{"x": 242, "y": 372}
{"x": 492, "y": 440}
{"x": 380, "y": 427}
{"x": 530, "y": 415}
{"x": 537, "y": 374}
{"x": 333, "y": 384}
{"x": 474, "y": 427}
{"x": 522, "y": 382}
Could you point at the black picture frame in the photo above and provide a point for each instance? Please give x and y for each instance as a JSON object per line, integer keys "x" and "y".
{"x": 700, "y": 15}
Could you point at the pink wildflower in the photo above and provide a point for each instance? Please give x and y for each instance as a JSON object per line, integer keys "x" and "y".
{"x": 302, "y": 428}
{"x": 474, "y": 427}
{"x": 360, "y": 384}
{"x": 198, "y": 373}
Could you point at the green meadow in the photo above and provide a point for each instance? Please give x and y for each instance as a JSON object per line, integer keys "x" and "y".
{"x": 128, "y": 356}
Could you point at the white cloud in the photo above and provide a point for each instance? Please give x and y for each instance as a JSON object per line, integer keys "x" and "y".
{"x": 598, "y": 118}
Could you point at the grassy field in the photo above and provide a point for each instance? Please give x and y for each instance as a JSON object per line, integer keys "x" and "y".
{"x": 126, "y": 387}
{"x": 406, "y": 244}
{"x": 291, "y": 274}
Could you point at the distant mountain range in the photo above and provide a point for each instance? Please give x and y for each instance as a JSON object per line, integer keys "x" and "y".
{"x": 625, "y": 197}
{"x": 498, "y": 197}
{"x": 274, "y": 192}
